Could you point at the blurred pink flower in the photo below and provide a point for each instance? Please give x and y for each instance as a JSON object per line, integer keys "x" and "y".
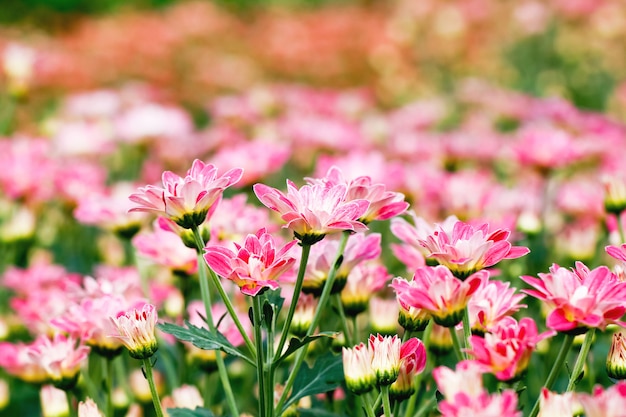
{"x": 609, "y": 402}
{"x": 383, "y": 204}
{"x": 436, "y": 291}
{"x": 225, "y": 325}
{"x": 17, "y": 361}
{"x": 553, "y": 404}
{"x": 89, "y": 408}
{"x": 546, "y": 147}
{"x": 580, "y": 298}
{"x": 235, "y": 218}
{"x": 314, "y": 211}
{"x": 186, "y": 200}
{"x": 505, "y": 351}
{"x": 256, "y": 265}
{"x": 364, "y": 280}
{"x": 466, "y": 249}
{"x": 60, "y": 357}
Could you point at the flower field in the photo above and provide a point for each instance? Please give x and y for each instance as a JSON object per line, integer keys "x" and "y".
{"x": 324, "y": 208}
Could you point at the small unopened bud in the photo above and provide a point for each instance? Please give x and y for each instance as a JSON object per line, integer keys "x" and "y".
{"x": 616, "y": 359}
{"x": 615, "y": 195}
{"x": 357, "y": 367}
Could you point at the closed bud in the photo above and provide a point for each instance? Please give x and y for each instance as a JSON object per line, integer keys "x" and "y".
{"x": 357, "y": 368}
{"x": 616, "y": 360}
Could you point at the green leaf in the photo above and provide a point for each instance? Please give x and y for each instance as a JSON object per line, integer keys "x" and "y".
{"x": 186, "y": 412}
{"x": 295, "y": 344}
{"x": 274, "y": 298}
{"x": 326, "y": 375}
{"x": 203, "y": 338}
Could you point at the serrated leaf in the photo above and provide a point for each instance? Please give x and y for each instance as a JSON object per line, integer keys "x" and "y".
{"x": 325, "y": 375}
{"x": 203, "y": 338}
{"x": 186, "y": 412}
{"x": 275, "y": 299}
{"x": 295, "y": 344}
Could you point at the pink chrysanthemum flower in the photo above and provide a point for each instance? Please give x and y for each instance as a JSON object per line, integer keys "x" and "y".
{"x": 464, "y": 394}
{"x": 438, "y": 292}
{"x": 186, "y": 200}
{"x": 490, "y": 303}
{"x": 135, "y": 328}
{"x": 552, "y": 404}
{"x": 412, "y": 362}
{"x": 89, "y": 408}
{"x": 506, "y": 350}
{"x": 610, "y": 402}
{"x": 383, "y": 204}
{"x": 580, "y": 298}
{"x": 466, "y": 249}
{"x": 256, "y": 265}
{"x": 363, "y": 282}
{"x": 60, "y": 357}
{"x": 314, "y": 211}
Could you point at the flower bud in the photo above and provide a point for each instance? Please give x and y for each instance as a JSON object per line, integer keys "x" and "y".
{"x": 357, "y": 368}
{"x": 386, "y": 358}
{"x": 616, "y": 360}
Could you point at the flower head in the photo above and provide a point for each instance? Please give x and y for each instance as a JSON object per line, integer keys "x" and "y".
{"x": 60, "y": 357}
{"x": 357, "y": 368}
{"x": 412, "y": 362}
{"x": 506, "y": 350}
{"x": 314, "y": 211}
{"x": 580, "y": 298}
{"x": 436, "y": 291}
{"x": 466, "y": 249}
{"x": 385, "y": 358}
{"x": 256, "y": 265}
{"x": 491, "y": 303}
{"x": 610, "y": 402}
{"x": 135, "y": 328}
{"x": 186, "y": 200}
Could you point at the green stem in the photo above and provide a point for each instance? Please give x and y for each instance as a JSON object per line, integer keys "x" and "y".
{"x": 455, "y": 344}
{"x": 343, "y": 320}
{"x": 425, "y": 408}
{"x": 220, "y": 289}
{"x": 620, "y": 227}
{"x": 386, "y": 404}
{"x": 206, "y": 299}
{"x": 70, "y": 404}
{"x": 355, "y": 328}
{"x": 304, "y": 259}
{"x": 107, "y": 376}
{"x": 147, "y": 366}
{"x": 323, "y": 301}
{"x": 258, "y": 339}
{"x": 467, "y": 332}
{"x": 580, "y": 361}
{"x": 367, "y": 406}
{"x": 410, "y": 406}
{"x": 556, "y": 367}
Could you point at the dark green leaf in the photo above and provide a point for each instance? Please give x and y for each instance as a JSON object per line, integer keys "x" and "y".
{"x": 268, "y": 314}
{"x": 275, "y": 299}
{"x": 295, "y": 344}
{"x": 326, "y": 375}
{"x": 203, "y": 338}
{"x": 185, "y": 412}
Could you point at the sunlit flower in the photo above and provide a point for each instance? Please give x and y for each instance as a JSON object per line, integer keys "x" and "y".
{"x": 357, "y": 367}
{"x": 186, "y": 200}
{"x": 386, "y": 358}
{"x": 505, "y": 351}
{"x": 580, "y": 298}
{"x": 436, "y": 291}
{"x": 383, "y": 204}
{"x": 466, "y": 249}
{"x": 256, "y": 265}
{"x": 135, "y": 328}
{"x": 490, "y": 303}
{"x": 313, "y": 211}
{"x": 616, "y": 359}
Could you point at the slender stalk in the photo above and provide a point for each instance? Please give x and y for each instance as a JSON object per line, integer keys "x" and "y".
{"x": 456, "y": 344}
{"x": 367, "y": 406}
{"x": 425, "y": 408}
{"x": 147, "y": 366}
{"x": 70, "y": 404}
{"x": 386, "y": 404}
{"x": 581, "y": 359}
{"x": 355, "y": 328}
{"x": 260, "y": 366}
{"x": 410, "y": 406}
{"x": 220, "y": 289}
{"x": 107, "y": 376}
{"x": 556, "y": 367}
{"x": 304, "y": 259}
{"x": 467, "y": 332}
{"x": 323, "y": 301}
{"x": 620, "y": 227}
{"x": 206, "y": 299}
{"x": 343, "y": 320}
